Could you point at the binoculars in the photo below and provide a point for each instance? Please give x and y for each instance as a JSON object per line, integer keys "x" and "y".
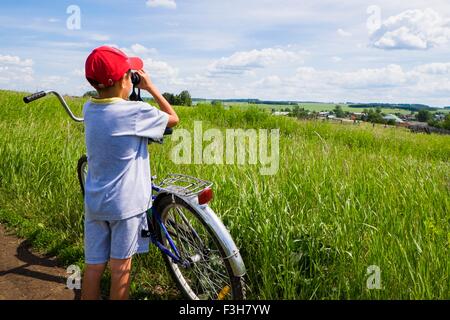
{"x": 135, "y": 78}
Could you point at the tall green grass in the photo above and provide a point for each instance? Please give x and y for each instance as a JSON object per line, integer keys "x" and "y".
{"x": 344, "y": 198}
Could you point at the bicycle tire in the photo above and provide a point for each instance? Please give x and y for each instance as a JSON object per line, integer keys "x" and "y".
{"x": 81, "y": 171}
{"x": 236, "y": 283}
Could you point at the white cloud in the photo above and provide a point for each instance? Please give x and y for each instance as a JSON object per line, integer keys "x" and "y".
{"x": 245, "y": 61}
{"x": 413, "y": 30}
{"x": 434, "y": 68}
{"x": 343, "y": 33}
{"x": 169, "y": 4}
{"x": 51, "y": 82}
{"x": 362, "y": 79}
{"x": 268, "y": 82}
{"x": 336, "y": 59}
{"x": 8, "y": 60}
{"x": 15, "y": 72}
{"x": 390, "y": 76}
{"x": 391, "y": 83}
{"x": 79, "y": 72}
{"x": 99, "y": 37}
{"x": 160, "y": 69}
{"x": 136, "y": 49}
{"x": 139, "y": 49}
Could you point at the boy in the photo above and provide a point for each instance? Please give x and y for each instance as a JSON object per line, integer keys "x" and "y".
{"x": 118, "y": 182}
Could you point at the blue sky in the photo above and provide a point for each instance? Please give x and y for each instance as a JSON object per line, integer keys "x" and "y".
{"x": 361, "y": 51}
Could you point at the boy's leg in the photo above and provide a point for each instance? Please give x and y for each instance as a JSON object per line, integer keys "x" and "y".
{"x": 97, "y": 239}
{"x": 90, "y": 289}
{"x": 120, "y": 278}
{"x": 126, "y": 240}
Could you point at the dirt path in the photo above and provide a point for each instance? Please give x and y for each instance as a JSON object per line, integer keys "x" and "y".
{"x": 25, "y": 275}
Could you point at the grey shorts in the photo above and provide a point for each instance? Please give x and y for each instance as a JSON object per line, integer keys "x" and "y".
{"x": 117, "y": 239}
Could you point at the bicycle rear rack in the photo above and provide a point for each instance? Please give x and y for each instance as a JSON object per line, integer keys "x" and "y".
{"x": 183, "y": 185}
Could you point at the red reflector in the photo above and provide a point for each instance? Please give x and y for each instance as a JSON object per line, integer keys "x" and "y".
{"x": 205, "y": 196}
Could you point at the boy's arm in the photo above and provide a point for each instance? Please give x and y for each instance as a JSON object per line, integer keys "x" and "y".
{"x": 146, "y": 84}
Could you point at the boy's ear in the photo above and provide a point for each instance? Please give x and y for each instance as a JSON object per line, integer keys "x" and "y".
{"x": 124, "y": 79}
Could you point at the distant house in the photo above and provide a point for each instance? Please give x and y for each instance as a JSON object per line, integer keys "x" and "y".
{"x": 357, "y": 115}
{"x": 280, "y": 113}
{"x": 389, "y": 117}
{"x": 408, "y": 117}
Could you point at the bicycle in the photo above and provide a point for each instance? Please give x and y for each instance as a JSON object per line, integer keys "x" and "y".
{"x": 197, "y": 248}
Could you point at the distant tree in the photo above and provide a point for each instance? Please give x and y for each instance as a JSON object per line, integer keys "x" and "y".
{"x": 375, "y": 116}
{"x": 299, "y": 113}
{"x": 443, "y": 124}
{"x": 339, "y": 112}
{"x": 184, "y": 98}
{"x": 91, "y": 93}
{"x": 169, "y": 97}
{"x": 446, "y": 122}
{"x": 423, "y": 116}
{"x": 216, "y": 103}
{"x": 176, "y": 100}
{"x": 391, "y": 122}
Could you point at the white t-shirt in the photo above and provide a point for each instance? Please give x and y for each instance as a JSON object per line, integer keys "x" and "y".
{"x": 118, "y": 182}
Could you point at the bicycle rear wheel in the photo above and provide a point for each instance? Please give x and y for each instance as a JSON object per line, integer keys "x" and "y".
{"x": 209, "y": 275}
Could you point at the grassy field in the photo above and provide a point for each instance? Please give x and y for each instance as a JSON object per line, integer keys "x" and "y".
{"x": 345, "y": 198}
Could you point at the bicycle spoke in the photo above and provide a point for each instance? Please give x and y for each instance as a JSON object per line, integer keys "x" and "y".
{"x": 189, "y": 225}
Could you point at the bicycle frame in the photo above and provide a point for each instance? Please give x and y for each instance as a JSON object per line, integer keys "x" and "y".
{"x": 153, "y": 237}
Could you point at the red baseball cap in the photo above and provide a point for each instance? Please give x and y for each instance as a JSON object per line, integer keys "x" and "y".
{"x": 106, "y": 65}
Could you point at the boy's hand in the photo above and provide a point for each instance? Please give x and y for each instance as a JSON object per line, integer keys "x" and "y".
{"x": 146, "y": 83}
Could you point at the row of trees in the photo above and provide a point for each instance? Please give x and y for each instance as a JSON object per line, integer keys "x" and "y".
{"x": 301, "y": 113}
{"x": 441, "y": 124}
{"x": 374, "y": 116}
{"x": 182, "y": 99}
{"x": 427, "y": 116}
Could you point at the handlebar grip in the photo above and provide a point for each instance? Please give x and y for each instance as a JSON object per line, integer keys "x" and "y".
{"x": 34, "y": 96}
{"x": 168, "y": 131}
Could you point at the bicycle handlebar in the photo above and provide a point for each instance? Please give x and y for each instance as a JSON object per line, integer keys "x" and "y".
{"x": 42, "y": 94}
{"x": 34, "y": 96}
